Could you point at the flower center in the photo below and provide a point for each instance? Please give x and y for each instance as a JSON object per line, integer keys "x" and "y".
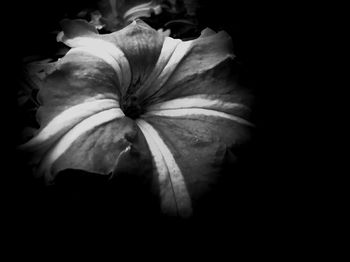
{"x": 131, "y": 107}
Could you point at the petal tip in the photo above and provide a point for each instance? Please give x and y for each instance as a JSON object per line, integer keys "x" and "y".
{"x": 207, "y": 32}
{"x": 77, "y": 27}
{"x": 72, "y": 29}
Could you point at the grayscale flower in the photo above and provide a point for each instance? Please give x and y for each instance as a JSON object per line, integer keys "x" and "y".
{"x": 139, "y": 101}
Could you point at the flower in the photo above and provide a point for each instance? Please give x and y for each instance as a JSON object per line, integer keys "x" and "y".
{"x": 117, "y": 14}
{"x": 138, "y": 100}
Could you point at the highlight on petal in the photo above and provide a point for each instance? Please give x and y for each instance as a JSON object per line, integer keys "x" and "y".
{"x": 221, "y": 104}
{"x": 175, "y": 198}
{"x": 66, "y": 120}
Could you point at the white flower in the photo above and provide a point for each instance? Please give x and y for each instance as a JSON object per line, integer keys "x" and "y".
{"x": 137, "y": 101}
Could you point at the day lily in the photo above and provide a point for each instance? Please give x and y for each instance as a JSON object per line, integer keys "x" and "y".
{"x": 136, "y": 99}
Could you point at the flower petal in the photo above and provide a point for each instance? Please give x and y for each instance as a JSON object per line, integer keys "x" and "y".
{"x": 73, "y": 29}
{"x": 197, "y": 112}
{"x": 142, "y": 10}
{"x": 204, "y": 69}
{"x": 175, "y": 199}
{"x": 117, "y": 14}
{"x": 92, "y": 145}
{"x": 192, "y": 151}
{"x": 79, "y": 78}
{"x": 80, "y": 87}
{"x": 221, "y": 104}
{"x": 139, "y": 43}
{"x": 172, "y": 52}
{"x": 83, "y": 38}
{"x": 96, "y": 145}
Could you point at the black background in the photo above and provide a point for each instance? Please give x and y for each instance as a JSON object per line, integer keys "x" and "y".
{"x": 263, "y": 193}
